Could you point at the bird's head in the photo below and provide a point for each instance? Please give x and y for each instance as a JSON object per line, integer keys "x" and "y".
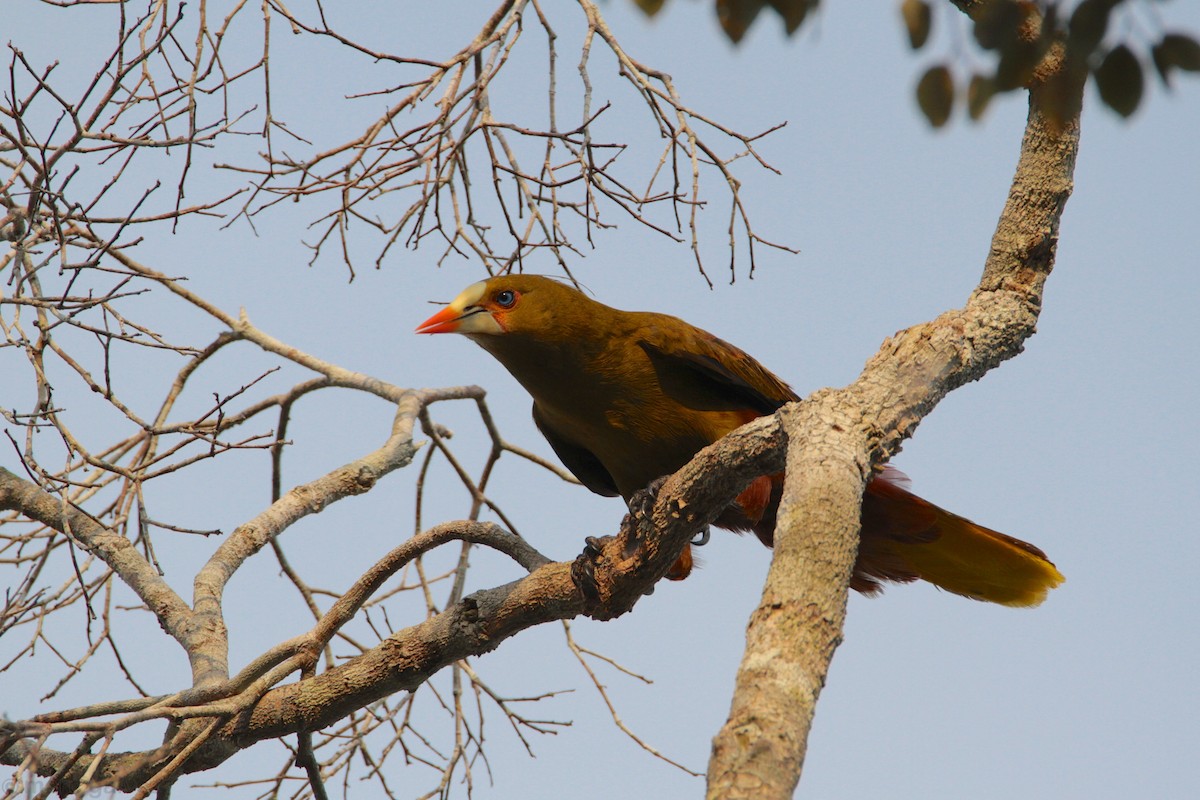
{"x": 509, "y": 304}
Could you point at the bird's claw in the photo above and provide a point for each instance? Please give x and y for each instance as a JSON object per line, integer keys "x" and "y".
{"x": 702, "y": 537}
{"x": 583, "y": 569}
{"x": 642, "y": 502}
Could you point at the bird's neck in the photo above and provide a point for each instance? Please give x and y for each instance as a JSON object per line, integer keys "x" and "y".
{"x": 542, "y": 367}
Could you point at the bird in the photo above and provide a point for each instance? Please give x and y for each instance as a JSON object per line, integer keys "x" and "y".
{"x": 626, "y": 397}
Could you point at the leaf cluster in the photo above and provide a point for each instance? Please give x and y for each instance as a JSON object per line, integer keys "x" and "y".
{"x": 736, "y": 16}
{"x": 1015, "y": 35}
{"x": 1019, "y": 35}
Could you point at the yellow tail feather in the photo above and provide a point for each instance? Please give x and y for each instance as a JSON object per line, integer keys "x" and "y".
{"x": 976, "y": 562}
{"x": 905, "y": 537}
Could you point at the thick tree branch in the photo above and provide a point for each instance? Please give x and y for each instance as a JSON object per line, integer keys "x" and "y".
{"x": 759, "y": 753}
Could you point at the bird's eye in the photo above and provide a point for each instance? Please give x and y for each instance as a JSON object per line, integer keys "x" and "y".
{"x": 506, "y": 298}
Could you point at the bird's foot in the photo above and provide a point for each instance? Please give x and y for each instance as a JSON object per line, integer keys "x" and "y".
{"x": 583, "y": 569}
{"x": 702, "y": 537}
{"x": 642, "y": 502}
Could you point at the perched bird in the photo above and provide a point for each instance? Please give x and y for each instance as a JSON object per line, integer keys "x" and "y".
{"x": 625, "y": 397}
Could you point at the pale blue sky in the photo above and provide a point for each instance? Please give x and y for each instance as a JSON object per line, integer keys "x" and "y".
{"x": 1083, "y": 445}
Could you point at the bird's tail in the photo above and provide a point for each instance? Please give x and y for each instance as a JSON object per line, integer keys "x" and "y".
{"x": 905, "y": 537}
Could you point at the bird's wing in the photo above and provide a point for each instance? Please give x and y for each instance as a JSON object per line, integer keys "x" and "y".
{"x": 706, "y": 367}
{"x": 582, "y": 462}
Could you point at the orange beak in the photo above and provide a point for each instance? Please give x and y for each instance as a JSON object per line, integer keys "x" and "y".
{"x": 444, "y": 321}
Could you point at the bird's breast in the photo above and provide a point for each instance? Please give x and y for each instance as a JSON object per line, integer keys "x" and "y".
{"x": 641, "y": 438}
{"x": 607, "y": 397}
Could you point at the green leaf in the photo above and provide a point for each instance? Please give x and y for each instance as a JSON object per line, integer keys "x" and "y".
{"x": 1016, "y": 63}
{"x": 997, "y": 24}
{"x": 1050, "y": 32}
{"x": 1176, "y": 51}
{"x": 736, "y": 16}
{"x": 793, "y": 12}
{"x": 1119, "y": 79}
{"x": 980, "y": 92}
{"x": 1060, "y": 97}
{"x": 1184, "y": 50}
{"x": 1087, "y": 27}
{"x": 650, "y": 7}
{"x": 918, "y": 19}
{"x": 935, "y": 95}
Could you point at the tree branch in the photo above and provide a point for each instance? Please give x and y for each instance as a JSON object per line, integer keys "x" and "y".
{"x": 651, "y": 538}
{"x": 116, "y": 551}
{"x": 836, "y": 441}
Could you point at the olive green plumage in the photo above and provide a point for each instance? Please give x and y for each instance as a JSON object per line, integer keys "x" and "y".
{"x": 625, "y": 397}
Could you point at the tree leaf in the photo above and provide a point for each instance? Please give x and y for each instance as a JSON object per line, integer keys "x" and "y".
{"x": 1184, "y": 50}
{"x": 736, "y": 16}
{"x": 793, "y": 12}
{"x": 980, "y": 92}
{"x": 918, "y": 19}
{"x": 1059, "y": 98}
{"x": 1176, "y": 51}
{"x": 935, "y": 95}
{"x": 1016, "y": 64}
{"x": 1162, "y": 63}
{"x": 650, "y": 7}
{"x": 1050, "y": 32}
{"x": 1119, "y": 79}
{"x": 1087, "y": 27}
{"x": 997, "y": 24}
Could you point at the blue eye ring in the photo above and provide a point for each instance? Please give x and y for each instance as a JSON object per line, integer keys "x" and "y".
{"x": 506, "y": 298}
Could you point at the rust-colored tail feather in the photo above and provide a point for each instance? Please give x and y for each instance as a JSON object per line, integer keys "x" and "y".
{"x": 905, "y": 537}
